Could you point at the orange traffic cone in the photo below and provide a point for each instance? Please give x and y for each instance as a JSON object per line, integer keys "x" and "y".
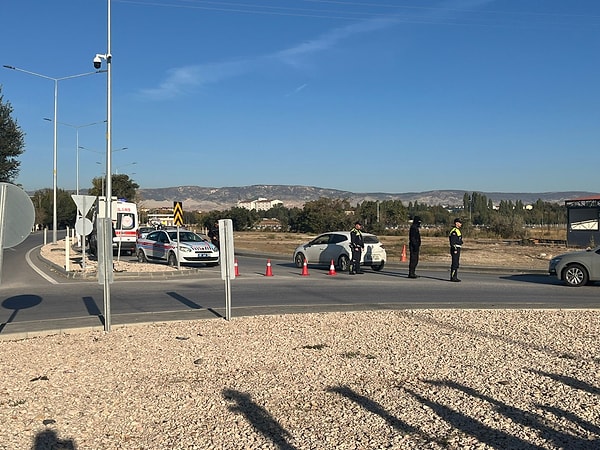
{"x": 332, "y": 269}
{"x": 403, "y": 253}
{"x": 237, "y": 270}
{"x": 269, "y": 272}
{"x": 305, "y": 268}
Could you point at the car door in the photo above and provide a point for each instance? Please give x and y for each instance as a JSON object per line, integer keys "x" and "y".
{"x": 315, "y": 248}
{"x": 160, "y": 247}
{"x": 595, "y": 265}
{"x": 335, "y": 248}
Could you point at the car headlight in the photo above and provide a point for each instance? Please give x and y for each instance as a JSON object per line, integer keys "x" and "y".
{"x": 185, "y": 249}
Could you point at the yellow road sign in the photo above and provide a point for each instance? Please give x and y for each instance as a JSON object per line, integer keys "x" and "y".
{"x": 178, "y": 213}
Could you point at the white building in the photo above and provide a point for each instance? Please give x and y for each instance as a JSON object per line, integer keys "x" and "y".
{"x": 261, "y": 204}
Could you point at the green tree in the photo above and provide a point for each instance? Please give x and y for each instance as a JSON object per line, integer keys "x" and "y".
{"x": 12, "y": 143}
{"x": 242, "y": 218}
{"x": 507, "y": 226}
{"x": 323, "y": 215}
{"x": 66, "y": 209}
{"x": 286, "y": 216}
{"x": 122, "y": 187}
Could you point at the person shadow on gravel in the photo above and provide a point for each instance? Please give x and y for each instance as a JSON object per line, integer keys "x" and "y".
{"x": 47, "y": 440}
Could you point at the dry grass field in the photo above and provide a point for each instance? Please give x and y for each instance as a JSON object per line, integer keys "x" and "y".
{"x": 476, "y": 251}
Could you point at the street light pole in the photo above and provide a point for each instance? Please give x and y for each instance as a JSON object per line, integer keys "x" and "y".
{"x": 107, "y": 263}
{"x": 77, "y": 147}
{"x": 54, "y": 162}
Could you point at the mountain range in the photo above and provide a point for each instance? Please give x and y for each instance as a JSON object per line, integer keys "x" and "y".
{"x": 199, "y": 198}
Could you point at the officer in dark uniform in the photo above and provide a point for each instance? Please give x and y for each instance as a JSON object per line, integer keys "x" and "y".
{"x": 414, "y": 245}
{"x": 456, "y": 242}
{"x": 356, "y": 245}
{"x": 213, "y": 234}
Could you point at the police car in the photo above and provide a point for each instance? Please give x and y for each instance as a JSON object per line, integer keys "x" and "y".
{"x": 162, "y": 246}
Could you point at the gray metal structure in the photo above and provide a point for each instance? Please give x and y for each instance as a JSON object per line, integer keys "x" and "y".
{"x": 583, "y": 221}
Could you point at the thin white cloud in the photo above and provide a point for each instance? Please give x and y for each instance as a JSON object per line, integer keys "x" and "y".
{"x": 329, "y": 40}
{"x": 298, "y": 89}
{"x": 182, "y": 80}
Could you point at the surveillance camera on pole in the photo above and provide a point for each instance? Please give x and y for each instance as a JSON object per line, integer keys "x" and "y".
{"x": 98, "y": 59}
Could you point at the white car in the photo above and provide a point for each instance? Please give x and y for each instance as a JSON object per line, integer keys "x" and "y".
{"x": 335, "y": 246}
{"x": 161, "y": 246}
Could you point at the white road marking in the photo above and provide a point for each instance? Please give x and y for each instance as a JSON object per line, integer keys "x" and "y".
{"x": 39, "y": 271}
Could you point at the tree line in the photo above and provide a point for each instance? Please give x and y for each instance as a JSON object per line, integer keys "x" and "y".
{"x": 507, "y": 221}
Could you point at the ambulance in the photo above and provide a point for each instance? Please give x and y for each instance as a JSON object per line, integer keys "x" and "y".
{"x": 125, "y": 224}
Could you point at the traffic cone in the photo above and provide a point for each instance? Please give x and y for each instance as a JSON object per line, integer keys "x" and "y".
{"x": 332, "y": 269}
{"x": 235, "y": 266}
{"x": 403, "y": 253}
{"x": 269, "y": 272}
{"x": 305, "y": 268}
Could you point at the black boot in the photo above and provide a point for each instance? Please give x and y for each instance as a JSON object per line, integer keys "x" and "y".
{"x": 412, "y": 275}
{"x": 454, "y": 276}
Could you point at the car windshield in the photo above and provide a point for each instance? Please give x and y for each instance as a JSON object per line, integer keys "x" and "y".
{"x": 185, "y": 236}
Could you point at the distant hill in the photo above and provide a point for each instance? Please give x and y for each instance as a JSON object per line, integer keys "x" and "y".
{"x": 211, "y": 198}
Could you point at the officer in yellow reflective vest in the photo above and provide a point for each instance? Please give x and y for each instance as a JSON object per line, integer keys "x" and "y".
{"x": 456, "y": 242}
{"x": 357, "y": 245}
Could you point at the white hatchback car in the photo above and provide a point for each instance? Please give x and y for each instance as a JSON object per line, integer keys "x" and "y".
{"x": 161, "y": 245}
{"x": 335, "y": 246}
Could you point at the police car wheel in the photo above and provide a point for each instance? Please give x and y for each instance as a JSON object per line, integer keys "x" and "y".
{"x": 172, "y": 260}
{"x": 141, "y": 256}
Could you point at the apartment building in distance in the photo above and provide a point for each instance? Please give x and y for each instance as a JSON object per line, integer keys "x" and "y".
{"x": 260, "y": 204}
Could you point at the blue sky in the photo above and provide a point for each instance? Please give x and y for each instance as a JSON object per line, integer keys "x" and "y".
{"x": 367, "y": 95}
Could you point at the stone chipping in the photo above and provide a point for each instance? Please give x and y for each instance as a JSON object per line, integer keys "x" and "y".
{"x": 413, "y": 379}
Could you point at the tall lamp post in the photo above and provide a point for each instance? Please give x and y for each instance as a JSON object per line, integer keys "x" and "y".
{"x": 77, "y": 147}
{"x": 107, "y": 263}
{"x": 54, "y": 168}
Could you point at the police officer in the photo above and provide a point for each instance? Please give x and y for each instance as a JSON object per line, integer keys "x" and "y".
{"x": 356, "y": 245}
{"x": 213, "y": 234}
{"x": 414, "y": 245}
{"x": 456, "y": 242}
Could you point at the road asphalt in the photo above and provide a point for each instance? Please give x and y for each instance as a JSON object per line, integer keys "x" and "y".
{"x": 24, "y": 330}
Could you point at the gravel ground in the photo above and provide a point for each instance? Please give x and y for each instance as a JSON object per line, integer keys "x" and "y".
{"x": 427, "y": 379}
